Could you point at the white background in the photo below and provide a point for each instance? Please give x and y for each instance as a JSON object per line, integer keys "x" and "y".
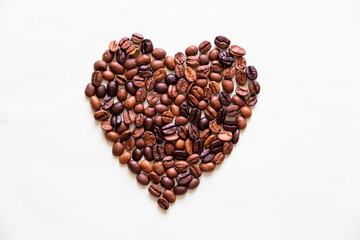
{"x": 295, "y": 173}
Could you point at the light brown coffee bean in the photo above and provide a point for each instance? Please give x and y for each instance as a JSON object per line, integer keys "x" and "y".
{"x": 225, "y": 136}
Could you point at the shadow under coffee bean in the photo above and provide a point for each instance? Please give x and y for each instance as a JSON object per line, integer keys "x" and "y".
{"x": 168, "y": 127}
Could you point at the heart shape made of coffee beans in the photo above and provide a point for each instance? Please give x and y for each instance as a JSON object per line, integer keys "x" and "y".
{"x": 172, "y": 118}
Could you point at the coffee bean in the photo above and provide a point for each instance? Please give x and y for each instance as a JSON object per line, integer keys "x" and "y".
{"x": 230, "y": 125}
{"x": 217, "y": 66}
{"x": 216, "y": 146}
{"x": 170, "y": 63}
{"x": 180, "y": 71}
{"x": 115, "y": 120}
{"x": 118, "y": 148}
{"x": 129, "y": 145}
{"x": 158, "y": 53}
{"x": 193, "y": 159}
{"x": 233, "y": 110}
{"x": 180, "y": 155}
{"x": 203, "y": 71}
{"x": 154, "y": 178}
{"x": 242, "y": 91}
{"x": 224, "y": 98}
{"x": 228, "y": 85}
{"x": 251, "y": 72}
{"x": 125, "y": 157}
{"x": 203, "y": 123}
{"x": 131, "y": 88}
{"x": 235, "y": 50}
{"x": 237, "y": 100}
{"x": 134, "y": 166}
{"x": 128, "y": 117}
{"x": 96, "y": 78}
{"x": 195, "y": 171}
{"x": 245, "y": 112}
{"x": 214, "y": 126}
{"x": 214, "y": 54}
{"x": 101, "y": 115}
{"x": 143, "y": 179}
{"x": 169, "y": 195}
{"x": 180, "y": 190}
{"x": 225, "y": 136}
{"x": 148, "y": 153}
{"x": 90, "y": 90}
{"x": 108, "y": 56}
{"x": 193, "y": 132}
{"x": 179, "y": 58}
{"x": 158, "y": 152}
{"x": 204, "y": 47}
{"x": 163, "y": 203}
{"x": 207, "y": 167}
{"x": 193, "y": 183}
{"x": 219, "y": 158}
{"x": 206, "y": 156}
{"x": 192, "y": 61}
{"x": 198, "y": 146}
{"x": 204, "y": 134}
{"x": 156, "y": 64}
{"x": 160, "y": 87}
{"x": 226, "y": 59}
{"x": 222, "y": 42}
{"x": 227, "y": 147}
{"x": 167, "y": 182}
{"x": 145, "y": 71}
{"x": 140, "y": 143}
{"x": 254, "y": 87}
{"x": 95, "y": 103}
{"x": 155, "y": 190}
{"x": 146, "y": 46}
{"x": 137, "y": 38}
{"x": 251, "y": 100}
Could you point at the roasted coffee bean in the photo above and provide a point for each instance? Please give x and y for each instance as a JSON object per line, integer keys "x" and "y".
{"x": 215, "y": 103}
{"x": 168, "y": 162}
{"x": 158, "y": 152}
{"x": 158, "y": 53}
{"x": 203, "y": 59}
{"x": 240, "y": 63}
{"x": 133, "y": 51}
{"x": 90, "y": 90}
{"x": 203, "y": 123}
{"x": 226, "y": 59}
{"x": 219, "y": 158}
{"x": 120, "y": 56}
{"x": 246, "y": 112}
{"x": 154, "y": 178}
{"x": 235, "y": 50}
{"x": 204, "y": 47}
{"x": 184, "y": 109}
{"x": 137, "y": 38}
{"x": 233, "y": 110}
{"x": 193, "y": 132}
{"x": 169, "y": 148}
{"x": 240, "y": 77}
{"x": 108, "y": 56}
{"x": 203, "y": 71}
{"x": 180, "y": 71}
{"x": 251, "y": 72}
{"x": 163, "y": 203}
{"x": 118, "y": 148}
{"x": 227, "y": 148}
{"x": 214, "y": 126}
{"x": 106, "y": 103}
{"x": 183, "y": 132}
{"x": 236, "y": 136}
{"x": 195, "y": 171}
{"x": 230, "y": 125}
{"x": 189, "y": 146}
{"x": 138, "y": 82}
{"x": 160, "y": 87}
{"x": 106, "y": 125}
{"x": 139, "y": 120}
{"x": 180, "y": 155}
{"x": 148, "y": 153}
{"x": 180, "y": 190}
{"x": 139, "y": 143}
{"x": 117, "y": 108}
{"x": 158, "y": 134}
{"x": 192, "y": 61}
{"x": 242, "y": 91}
{"x": 190, "y": 74}
{"x": 130, "y": 63}
{"x": 179, "y": 58}
{"x": 251, "y": 100}
{"x": 193, "y": 183}
{"x": 237, "y": 100}
{"x": 254, "y": 87}
{"x": 214, "y": 54}
{"x": 125, "y": 135}
{"x": 145, "y": 164}
{"x": 209, "y": 140}
{"x": 169, "y": 195}
{"x": 167, "y": 182}
{"x": 165, "y": 99}
{"x": 155, "y": 190}
{"x": 216, "y": 146}
{"x": 181, "y": 166}
{"x": 115, "y": 120}
{"x": 150, "y": 84}
{"x": 96, "y": 78}
{"x": 146, "y": 46}
{"x": 229, "y": 72}
{"x": 207, "y": 167}
{"x": 228, "y": 85}
{"x": 125, "y": 157}
{"x": 100, "y": 65}
{"x": 112, "y": 136}
{"x": 134, "y": 167}
{"x": 100, "y": 91}
{"x": 182, "y": 85}
{"x": 128, "y": 117}
{"x": 156, "y": 64}
{"x": 198, "y": 146}
{"x": 169, "y": 63}
{"x": 193, "y": 159}
{"x": 138, "y": 132}
{"x": 169, "y": 129}
{"x": 95, "y": 103}
{"x": 225, "y": 136}
{"x": 172, "y": 91}
{"x": 170, "y": 79}
{"x": 130, "y": 144}
{"x": 221, "y": 116}
{"x": 204, "y": 134}
{"x": 171, "y": 173}
{"x": 207, "y": 156}
{"x": 122, "y": 127}
{"x": 222, "y": 42}
{"x": 145, "y": 71}
{"x": 224, "y": 98}
{"x": 183, "y": 178}
{"x": 195, "y": 115}
{"x": 143, "y": 179}
{"x": 131, "y": 88}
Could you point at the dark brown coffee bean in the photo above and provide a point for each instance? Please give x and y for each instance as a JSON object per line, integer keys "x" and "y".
{"x": 172, "y": 91}
{"x": 139, "y": 143}
{"x": 251, "y": 100}
{"x": 160, "y": 87}
{"x": 122, "y": 127}
{"x": 226, "y": 59}
{"x": 183, "y": 132}
{"x": 209, "y": 140}
{"x": 203, "y": 71}
{"x": 204, "y": 47}
{"x": 100, "y": 91}
{"x": 240, "y": 77}
{"x": 222, "y": 42}
{"x": 207, "y": 156}
{"x": 193, "y": 132}
{"x": 155, "y": 190}
{"x": 100, "y": 65}
{"x": 191, "y": 50}
{"x": 139, "y": 81}
{"x": 153, "y": 98}
{"x": 146, "y": 46}
{"x": 106, "y": 103}
{"x": 154, "y": 178}
{"x": 131, "y": 88}
{"x": 203, "y": 123}
{"x": 118, "y": 148}
{"x": 96, "y": 78}
{"x": 180, "y": 155}
{"x": 158, "y": 134}
{"x": 229, "y": 72}
{"x": 230, "y": 125}
{"x": 254, "y": 87}
{"x": 216, "y": 146}
{"x": 125, "y": 135}
{"x": 138, "y": 132}
{"x": 181, "y": 166}
{"x": 169, "y": 195}
{"x": 169, "y": 129}
{"x": 237, "y": 100}
{"x": 242, "y": 91}
{"x": 107, "y": 56}
{"x": 158, "y": 152}
{"x": 224, "y": 98}
{"x": 198, "y": 146}
{"x": 195, "y": 171}
{"x": 116, "y": 67}
{"x": 149, "y": 84}
{"x": 145, "y": 71}
{"x": 235, "y": 50}
{"x": 130, "y": 63}
{"x": 130, "y": 144}
{"x": 167, "y": 182}
{"x": 251, "y": 72}
{"x": 124, "y": 43}
{"x": 233, "y": 110}
{"x": 134, "y": 167}
{"x": 183, "y": 178}
{"x": 90, "y": 90}
{"x": 158, "y": 53}
{"x": 215, "y": 103}
{"x": 143, "y": 179}
{"x": 214, "y": 54}
{"x": 168, "y": 162}
{"x": 115, "y": 120}
{"x": 193, "y": 183}
{"x": 133, "y": 51}
{"x": 180, "y": 190}
{"x": 195, "y": 115}
{"x": 236, "y": 136}
{"x": 163, "y": 203}
{"x": 203, "y": 59}
{"x": 148, "y": 153}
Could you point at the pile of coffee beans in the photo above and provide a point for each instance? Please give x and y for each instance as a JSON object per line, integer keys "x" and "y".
{"x": 172, "y": 118}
